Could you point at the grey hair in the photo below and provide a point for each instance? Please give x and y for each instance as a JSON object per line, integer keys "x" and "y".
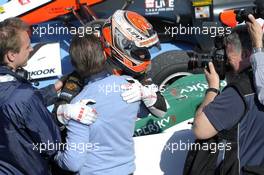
{"x": 240, "y": 39}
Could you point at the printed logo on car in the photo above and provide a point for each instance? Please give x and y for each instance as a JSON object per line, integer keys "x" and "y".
{"x": 24, "y": 2}
{"x": 154, "y": 7}
{"x": 2, "y": 10}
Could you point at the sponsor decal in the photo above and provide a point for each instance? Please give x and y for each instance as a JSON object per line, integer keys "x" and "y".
{"x": 24, "y": 2}
{"x": 136, "y": 35}
{"x": 149, "y": 41}
{"x": 2, "y": 10}
{"x": 202, "y": 8}
{"x": 45, "y": 61}
{"x": 201, "y": 2}
{"x": 173, "y": 119}
{"x": 18, "y": 7}
{"x": 42, "y": 72}
{"x": 173, "y": 92}
{"x": 196, "y": 87}
{"x": 154, "y": 7}
{"x": 199, "y": 87}
{"x": 55, "y": 10}
{"x": 202, "y": 12}
{"x": 156, "y": 126}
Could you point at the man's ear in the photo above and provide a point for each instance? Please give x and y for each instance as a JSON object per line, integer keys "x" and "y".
{"x": 10, "y": 56}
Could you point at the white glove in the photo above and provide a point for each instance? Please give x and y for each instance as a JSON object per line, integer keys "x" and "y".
{"x": 135, "y": 91}
{"x": 79, "y": 112}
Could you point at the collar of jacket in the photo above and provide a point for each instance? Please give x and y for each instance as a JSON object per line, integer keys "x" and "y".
{"x": 5, "y": 70}
{"x": 96, "y": 77}
{"x": 6, "y": 78}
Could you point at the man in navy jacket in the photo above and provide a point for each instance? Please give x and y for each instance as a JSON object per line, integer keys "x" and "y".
{"x": 29, "y": 134}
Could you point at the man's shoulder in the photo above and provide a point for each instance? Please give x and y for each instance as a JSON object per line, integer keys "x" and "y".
{"x": 229, "y": 96}
{"x": 235, "y": 93}
{"x": 119, "y": 77}
{"x": 225, "y": 110}
{"x": 229, "y": 91}
{"x": 112, "y": 80}
{"x": 15, "y": 87}
{"x": 23, "y": 92}
{"x": 19, "y": 94}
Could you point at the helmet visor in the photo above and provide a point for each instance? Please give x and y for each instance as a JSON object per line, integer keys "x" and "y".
{"x": 144, "y": 54}
{"x": 129, "y": 48}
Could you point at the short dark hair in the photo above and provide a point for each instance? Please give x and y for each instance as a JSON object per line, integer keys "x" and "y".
{"x": 87, "y": 54}
{"x": 10, "y": 36}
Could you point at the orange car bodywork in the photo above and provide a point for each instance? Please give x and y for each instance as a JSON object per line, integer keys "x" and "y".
{"x": 228, "y": 17}
{"x": 54, "y": 9}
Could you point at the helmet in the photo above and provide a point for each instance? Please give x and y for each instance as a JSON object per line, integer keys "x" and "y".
{"x": 130, "y": 40}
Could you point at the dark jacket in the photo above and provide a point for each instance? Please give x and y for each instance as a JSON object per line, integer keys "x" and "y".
{"x": 25, "y": 124}
{"x": 242, "y": 148}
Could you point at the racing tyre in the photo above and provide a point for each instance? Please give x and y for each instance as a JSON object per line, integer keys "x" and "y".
{"x": 170, "y": 66}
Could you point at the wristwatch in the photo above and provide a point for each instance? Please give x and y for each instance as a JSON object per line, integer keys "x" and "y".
{"x": 212, "y": 90}
{"x": 258, "y": 49}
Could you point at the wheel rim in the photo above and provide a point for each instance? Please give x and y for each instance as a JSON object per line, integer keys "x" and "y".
{"x": 173, "y": 77}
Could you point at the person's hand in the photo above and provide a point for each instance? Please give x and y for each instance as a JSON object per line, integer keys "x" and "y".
{"x": 78, "y": 111}
{"x": 212, "y": 76}
{"x": 72, "y": 77}
{"x": 135, "y": 91}
{"x": 58, "y": 85}
{"x": 255, "y": 31}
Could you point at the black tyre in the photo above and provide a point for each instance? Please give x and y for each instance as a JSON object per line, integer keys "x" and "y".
{"x": 169, "y": 66}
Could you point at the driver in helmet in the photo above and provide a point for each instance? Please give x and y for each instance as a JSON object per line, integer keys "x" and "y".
{"x": 129, "y": 40}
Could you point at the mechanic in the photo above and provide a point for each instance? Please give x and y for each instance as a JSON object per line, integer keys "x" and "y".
{"x": 106, "y": 147}
{"x": 129, "y": 40}
{"x": 235, "y": 116}
{"x": 26, "y": 126}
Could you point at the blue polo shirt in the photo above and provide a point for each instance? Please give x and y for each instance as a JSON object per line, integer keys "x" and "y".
{"x": 109, "y": 143}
